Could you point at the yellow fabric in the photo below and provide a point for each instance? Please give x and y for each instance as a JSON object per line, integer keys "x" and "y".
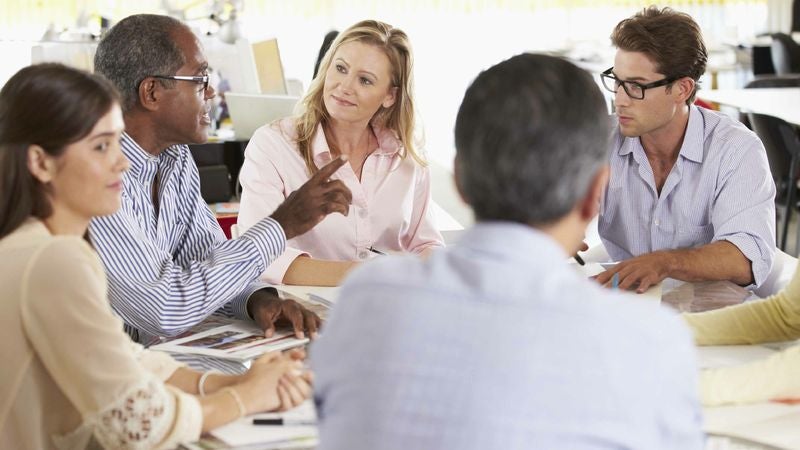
{"x": 776, "y": 318}
{"x": 66, "y": 361}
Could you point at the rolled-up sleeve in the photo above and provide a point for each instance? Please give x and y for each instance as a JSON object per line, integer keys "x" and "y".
{"x": 744, "y": 208}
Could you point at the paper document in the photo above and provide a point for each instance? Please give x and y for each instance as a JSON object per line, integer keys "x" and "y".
{"x": 772, "y": 424}
{"x": 236, "y": 340}
{"x": 711, "y": 357}
{"x": 243, "y": 433}
{"x": 317, "y": 299}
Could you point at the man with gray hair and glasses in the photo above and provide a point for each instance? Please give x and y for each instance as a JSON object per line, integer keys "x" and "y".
{"x": 168, "y": 263}
{"x": 496, "y": 342}
{"x": 690, "y": 195}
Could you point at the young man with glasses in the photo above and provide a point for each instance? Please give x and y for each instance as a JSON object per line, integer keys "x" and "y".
{"x": 690, "y": 195}
{"x": 168, "y": 263}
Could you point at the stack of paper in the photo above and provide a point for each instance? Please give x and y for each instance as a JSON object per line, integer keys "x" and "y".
{"x": 243, "y": 434}
{"x": 772, "y": 424}
{"x": 238, "y": 341}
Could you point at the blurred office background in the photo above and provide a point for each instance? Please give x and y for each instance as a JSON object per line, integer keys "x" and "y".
{"x": 453, "y": 39}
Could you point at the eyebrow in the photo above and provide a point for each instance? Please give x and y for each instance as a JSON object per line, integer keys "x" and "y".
{"x": 102, "y": 135}
{"x": 637, "y": 79}
{"x": 339, "y": 59}
{"x": 203, "y": 67}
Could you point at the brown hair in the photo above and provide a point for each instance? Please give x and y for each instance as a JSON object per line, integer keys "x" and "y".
{"x": 52, "y": 106}
{"x": 398, "y": 117}
{"x": 671, "y": 39}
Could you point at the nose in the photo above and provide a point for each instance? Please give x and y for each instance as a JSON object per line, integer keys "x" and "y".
{"x": 210, "y": 92}
{"x": 347, "y": 84}
{"x": 621, "y": 97}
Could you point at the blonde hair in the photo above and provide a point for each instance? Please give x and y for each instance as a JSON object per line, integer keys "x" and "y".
{"x": 399, "y": 117}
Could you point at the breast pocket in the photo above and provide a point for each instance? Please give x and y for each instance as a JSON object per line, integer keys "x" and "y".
{"x": 688, "y": 236}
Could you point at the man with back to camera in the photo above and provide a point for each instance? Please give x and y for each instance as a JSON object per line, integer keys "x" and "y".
{"x": 496, "y": 343}
{"x": 690, "y": 194}
{"x": 168, "y": 263}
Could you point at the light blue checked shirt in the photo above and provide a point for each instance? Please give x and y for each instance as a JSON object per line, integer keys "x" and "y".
{"x": 720, "y": 188}
{"x": 169, "y": 271}
{"x": 496, "y": 343}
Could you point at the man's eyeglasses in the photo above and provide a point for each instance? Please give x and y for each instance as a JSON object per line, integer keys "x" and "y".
{"x": 200, "y": 79}
{"x": 632, "y": 88}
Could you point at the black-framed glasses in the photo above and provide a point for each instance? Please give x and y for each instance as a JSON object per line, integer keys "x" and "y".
{"x": 199, "y": 79}
{"x": 632, "y": 88}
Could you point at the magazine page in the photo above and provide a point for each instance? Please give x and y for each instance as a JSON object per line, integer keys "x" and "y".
{"x": 237, "y": 340}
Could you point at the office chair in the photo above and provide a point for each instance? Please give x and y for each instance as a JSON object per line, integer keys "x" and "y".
{"x": 776, "y": 136}
{"x": 783, "y": 153}
{"x": 326, "y": 44}
{"x": 785, "y": 54}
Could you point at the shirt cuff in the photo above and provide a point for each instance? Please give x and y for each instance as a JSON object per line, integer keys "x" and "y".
{"x": 269, "y": 239}
{"x": 238, "y": 307}
{"x": 760, "y": 263}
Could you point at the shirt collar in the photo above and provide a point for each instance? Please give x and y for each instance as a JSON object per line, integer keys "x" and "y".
{"x": 388, "y": 144}
{"x": 513, "y": 240}
{"x": 143, "y": 165}
{"x": 689, "y": 148}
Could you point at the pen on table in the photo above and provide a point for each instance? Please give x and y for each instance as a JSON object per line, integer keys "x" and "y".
{"x": 579, "y": 260}
{"x": 376, "y": 251}
{"x": 615, "y": 281}
{"x": 281, "y": 422}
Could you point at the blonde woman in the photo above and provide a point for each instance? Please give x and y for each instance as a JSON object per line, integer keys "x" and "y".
{"x": 71, "y": 377}
{"x": 360, "y": 105}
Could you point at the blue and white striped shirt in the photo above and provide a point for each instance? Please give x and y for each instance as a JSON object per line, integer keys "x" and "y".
{"x": 720, "y": 188}
{"x": 168, "y": 270}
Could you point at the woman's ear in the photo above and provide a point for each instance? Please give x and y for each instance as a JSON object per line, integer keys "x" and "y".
{"x": 390, "y": 98}
{"x": 41, "y": 165}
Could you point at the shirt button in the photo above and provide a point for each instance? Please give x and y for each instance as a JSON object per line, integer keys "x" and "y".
{"x": 363, "y": 254}
{"x": 656, "y": 222}
{"x": 363, "y": 213}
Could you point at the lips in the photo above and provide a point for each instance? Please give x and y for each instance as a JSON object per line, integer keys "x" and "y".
{"x": 342, "y": 101}
{"x": 116, "y": 186}
{"x": 205, "y": 118}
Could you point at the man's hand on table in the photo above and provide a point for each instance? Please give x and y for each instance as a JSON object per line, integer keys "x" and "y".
{"x": 267, "y": 309}
{"x": 639, "y": 273}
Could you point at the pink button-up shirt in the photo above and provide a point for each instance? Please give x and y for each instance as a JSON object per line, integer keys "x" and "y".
{"x": 391, "y": 204}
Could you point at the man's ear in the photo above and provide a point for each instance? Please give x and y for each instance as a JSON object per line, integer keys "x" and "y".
{"x": 685, "y": 87}
{"x": 589, "y": 206}
{"x": 457, "y": 180}
{"x": 41, "y": 165}
{"x": 150, "y": 91}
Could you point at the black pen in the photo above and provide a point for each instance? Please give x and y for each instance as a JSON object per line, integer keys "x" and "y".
{"x": 579, "y": 260}
{"x": 376, "y": 251}
{"x": 281, "y": 422}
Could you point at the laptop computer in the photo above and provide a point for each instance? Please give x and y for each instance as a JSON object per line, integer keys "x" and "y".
{"x": 250, "y": 111}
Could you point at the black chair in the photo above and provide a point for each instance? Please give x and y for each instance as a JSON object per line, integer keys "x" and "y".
{"x": 326, "y": 44}
{"x": 783, "y": 152}
{"x": 785, "y": 54}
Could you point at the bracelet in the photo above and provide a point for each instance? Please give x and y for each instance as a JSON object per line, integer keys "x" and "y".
{"x": 239, "y": 402}
{"x": 201, "y": 384}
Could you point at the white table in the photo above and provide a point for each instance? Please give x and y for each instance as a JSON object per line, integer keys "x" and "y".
{"x": 783, "y": 103}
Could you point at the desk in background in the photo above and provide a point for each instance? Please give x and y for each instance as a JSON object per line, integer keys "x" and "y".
{"x": 783, "y": 103}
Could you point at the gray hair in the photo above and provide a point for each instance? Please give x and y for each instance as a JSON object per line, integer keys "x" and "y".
{"x": 530, "y": 134}
{"x": 137, "y": 47}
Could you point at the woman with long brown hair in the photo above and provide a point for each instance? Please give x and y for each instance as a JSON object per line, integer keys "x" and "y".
{"x": 71, "y": 377}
